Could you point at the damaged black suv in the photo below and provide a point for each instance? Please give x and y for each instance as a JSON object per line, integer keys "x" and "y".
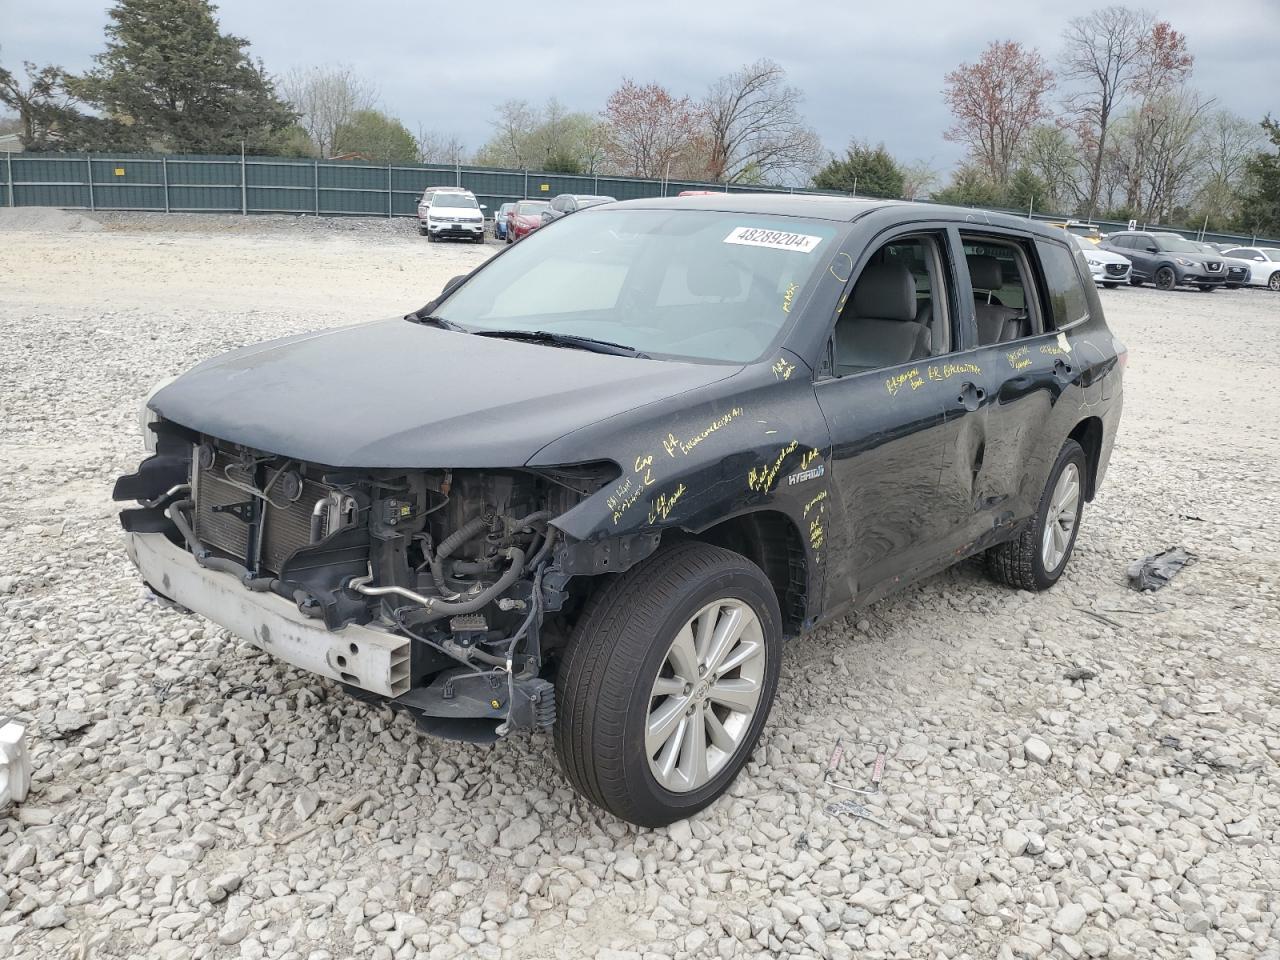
{"x": 595, "y": 484}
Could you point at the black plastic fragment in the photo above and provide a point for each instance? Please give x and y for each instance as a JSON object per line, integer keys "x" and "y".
{"x": 1155, "y": 571}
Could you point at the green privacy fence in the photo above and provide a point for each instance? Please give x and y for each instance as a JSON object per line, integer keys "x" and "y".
{"x": 239, "y": 184}
{"x": 220, "y": 184}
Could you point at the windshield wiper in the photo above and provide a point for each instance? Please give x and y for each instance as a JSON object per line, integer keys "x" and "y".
{"x": 434, "y": 321}
{"x": 566, "y": 340}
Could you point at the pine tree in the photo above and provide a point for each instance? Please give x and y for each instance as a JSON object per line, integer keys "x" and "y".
{"x": 170, "y": 79}
{"x": 1260, "y": 205}
{"x": 865, "y": 170}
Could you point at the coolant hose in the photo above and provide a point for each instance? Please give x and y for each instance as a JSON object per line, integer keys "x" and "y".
{"x": 206, "y": 559}
{"x": 434, "y": 607}
{"x": 468, "y": 531}
{"x": 446, "y": 608}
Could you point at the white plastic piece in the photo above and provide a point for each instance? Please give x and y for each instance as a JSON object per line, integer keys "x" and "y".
{"x": 15, "y": 764}
{"x": 367, "y": 657}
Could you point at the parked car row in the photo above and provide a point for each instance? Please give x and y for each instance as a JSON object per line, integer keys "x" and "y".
{"x": 1263, "y": 264}
{"x": 1168, "y": 260}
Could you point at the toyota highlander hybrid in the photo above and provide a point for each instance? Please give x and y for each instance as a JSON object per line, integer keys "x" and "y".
{"x": 594, "y": 484}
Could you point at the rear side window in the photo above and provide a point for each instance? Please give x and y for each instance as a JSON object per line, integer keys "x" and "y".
{"x": 1068, "y": 301}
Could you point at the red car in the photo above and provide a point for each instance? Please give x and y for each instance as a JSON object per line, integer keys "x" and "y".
{"x": 524, "y": 218}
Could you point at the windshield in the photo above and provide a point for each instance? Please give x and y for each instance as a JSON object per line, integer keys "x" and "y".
{"x": 1176, "y": 245}
{"x": 692, "y": 284}
{"x": 454, "y": 200}
{"x": 530, "y": 207}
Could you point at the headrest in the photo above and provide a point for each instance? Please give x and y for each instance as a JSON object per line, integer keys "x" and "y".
{"x": 709, "y": 277}
{"x": 984, "y": 272}
{"x": 886, "y": 291}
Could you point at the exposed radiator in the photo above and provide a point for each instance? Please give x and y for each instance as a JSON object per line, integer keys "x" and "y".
{"x": 285, "y": 528}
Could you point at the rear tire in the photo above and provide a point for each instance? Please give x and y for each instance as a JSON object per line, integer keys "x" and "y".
{"x": 1027, "y": 562}
{"x": 1274, "y": 281}
{"x": 1166, "y": 279}
{"x": 1111, "y": 286}
{"x": 641, "y": 726}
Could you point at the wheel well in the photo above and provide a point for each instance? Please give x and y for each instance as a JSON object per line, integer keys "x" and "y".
{"x": 771, "y": 541}
{"x": 1088, "y": 433}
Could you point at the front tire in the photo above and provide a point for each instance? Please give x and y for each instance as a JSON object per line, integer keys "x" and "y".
{"x": 1036, "y": 559}
{"x": 667, "y": 682}
{"x": 1274, "y": 281}
{"x": 1166, "y": 279}
{"x": 1207, "y": 288}
{"x": 1110, "y": 286}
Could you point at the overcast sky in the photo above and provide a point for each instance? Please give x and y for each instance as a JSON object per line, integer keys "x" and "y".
{"x": 870, "y": 71}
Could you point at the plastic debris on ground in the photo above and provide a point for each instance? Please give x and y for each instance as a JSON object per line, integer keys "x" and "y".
{"x": 15, "y": 764}
{"x": 1155, "y": 571}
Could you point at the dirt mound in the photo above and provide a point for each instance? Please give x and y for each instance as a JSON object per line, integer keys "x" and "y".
{"x": 46, "y": 220}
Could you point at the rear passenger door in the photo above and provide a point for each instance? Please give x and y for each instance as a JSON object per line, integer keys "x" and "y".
{"x": 1004, "y": 411}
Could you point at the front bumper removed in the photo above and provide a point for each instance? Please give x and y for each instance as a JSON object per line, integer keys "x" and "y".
{"x": 458, "y": 703}
{"x": 370, "y": 658}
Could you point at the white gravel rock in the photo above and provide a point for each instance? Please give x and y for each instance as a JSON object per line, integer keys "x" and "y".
{"x": 1034, "y": 808}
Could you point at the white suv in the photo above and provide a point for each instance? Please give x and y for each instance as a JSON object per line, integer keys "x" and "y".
{"x": 450, "y": 212}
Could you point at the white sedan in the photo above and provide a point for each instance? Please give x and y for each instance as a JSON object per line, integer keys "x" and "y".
{"x": 1264, "y": 264}
{"x": 1109, "y": 269}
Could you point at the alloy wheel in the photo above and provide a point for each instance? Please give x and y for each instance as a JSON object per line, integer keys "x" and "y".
{"x": 1165, "y": 279}
{"x": 1274, "y": 282}
{"x": 705, "y": 696}
{"x": 1060, "y": 519}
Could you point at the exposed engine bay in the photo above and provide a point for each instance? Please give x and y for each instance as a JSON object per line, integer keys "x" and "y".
{"x": 464, "y": 563}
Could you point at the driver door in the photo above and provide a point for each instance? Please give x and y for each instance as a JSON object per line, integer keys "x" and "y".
{"x": 884, "y": 407}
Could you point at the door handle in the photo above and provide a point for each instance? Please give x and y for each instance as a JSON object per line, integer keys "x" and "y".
{"x": 971, "y": 397}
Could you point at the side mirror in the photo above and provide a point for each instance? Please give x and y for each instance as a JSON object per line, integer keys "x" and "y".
{"x": 483, "y": 207}
{"x": 1152, "y": 249}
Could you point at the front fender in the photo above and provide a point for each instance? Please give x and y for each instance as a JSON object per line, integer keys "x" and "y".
{"x": 764, "y": 445}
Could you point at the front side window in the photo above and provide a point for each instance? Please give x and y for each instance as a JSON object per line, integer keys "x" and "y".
{"x": 693, "y": 284}
{"x": 897, "y": 311}
{"x": 1068, "y": 301}
{"x": 1272, "y": 253}
{"x": 1003, "y": 292}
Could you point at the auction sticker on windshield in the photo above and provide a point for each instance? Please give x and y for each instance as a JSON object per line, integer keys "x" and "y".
{"x": 775, "y": 239}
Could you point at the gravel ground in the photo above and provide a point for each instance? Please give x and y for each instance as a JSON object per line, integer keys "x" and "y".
{"x": 1089, "y": 772}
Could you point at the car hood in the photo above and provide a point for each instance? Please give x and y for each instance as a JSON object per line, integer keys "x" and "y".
{"x": 399, "y": 394}
{"x": 1104, "y": 256}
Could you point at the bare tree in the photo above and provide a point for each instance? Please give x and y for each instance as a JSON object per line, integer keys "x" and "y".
{"x": 40, "y": 101}
{"x": 325, "y": 99}
{"x": 436, "y": 147}
{"x": 513, "y": 125}
{"x": 1103, "y": 53}
{"x": 648, "y": 128}
{"x": 1049, "y": 151}
{"x": 754, "y": 129}
{"x": 918, "y": 178}
{"x": 1164, "y": 66}
{"x": 1230, "y": 140}
{"x": 995, "y": 102}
